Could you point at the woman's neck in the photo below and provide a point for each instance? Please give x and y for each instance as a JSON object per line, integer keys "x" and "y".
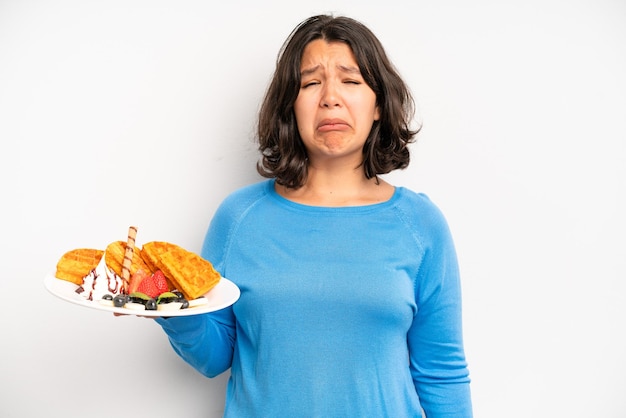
{"x": 338, "y": 188}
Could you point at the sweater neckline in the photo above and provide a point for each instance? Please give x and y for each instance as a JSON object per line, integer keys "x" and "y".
{"x": 271, "y": 191}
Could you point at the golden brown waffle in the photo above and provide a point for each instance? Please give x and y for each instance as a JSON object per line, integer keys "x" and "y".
{"x": 76, "y": 264}
{"x": 114, "y": 257}
{"x": 151, "y": 253}
{"x": 189, "y": 273}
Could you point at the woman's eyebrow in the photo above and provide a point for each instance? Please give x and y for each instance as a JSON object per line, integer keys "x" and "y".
{"x": 349, "y": 69}
{"x": 310, "y": 70}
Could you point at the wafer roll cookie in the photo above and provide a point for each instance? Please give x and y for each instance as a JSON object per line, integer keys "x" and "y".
{"x": 128, "y": 255}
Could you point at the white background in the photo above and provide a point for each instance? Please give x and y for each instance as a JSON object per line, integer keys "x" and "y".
{"x": 116, "y": 112}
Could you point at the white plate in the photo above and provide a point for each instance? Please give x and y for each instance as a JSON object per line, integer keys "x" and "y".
{"x": 224, "y": 294}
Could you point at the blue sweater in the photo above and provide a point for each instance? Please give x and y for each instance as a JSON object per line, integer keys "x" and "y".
{"x": 344, "y": 312}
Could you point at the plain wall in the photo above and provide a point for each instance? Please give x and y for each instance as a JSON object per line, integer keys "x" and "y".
{"x": 117, "y": 113}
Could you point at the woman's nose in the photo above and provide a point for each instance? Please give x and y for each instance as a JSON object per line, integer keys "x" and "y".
{"x": 330, "y": 96}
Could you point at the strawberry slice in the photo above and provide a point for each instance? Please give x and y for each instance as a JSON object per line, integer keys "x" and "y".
{"x": 135, "y": 279}
{"x": 149, "y": 287}
{"x": 160, "y": 281}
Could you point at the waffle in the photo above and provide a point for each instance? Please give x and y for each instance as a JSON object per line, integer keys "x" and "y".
{"x": 114, "y": 257}
{"x": 189, "y": 273}
{"x": 76, "y": 264}
{"x": 151, "y": 253}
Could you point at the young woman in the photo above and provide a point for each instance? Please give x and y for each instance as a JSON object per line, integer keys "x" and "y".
{"x": 350, "y": 296}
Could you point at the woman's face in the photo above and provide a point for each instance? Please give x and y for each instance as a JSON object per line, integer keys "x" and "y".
{"x": 335, "y": 108}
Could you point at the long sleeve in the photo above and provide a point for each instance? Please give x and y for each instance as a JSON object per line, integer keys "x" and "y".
{"x": 437, "y": 358}
{"x": 204, "y": 341}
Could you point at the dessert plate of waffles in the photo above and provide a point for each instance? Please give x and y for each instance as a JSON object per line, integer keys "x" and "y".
{"x": 222, "y": 295}
{"x": 158, "y": 279}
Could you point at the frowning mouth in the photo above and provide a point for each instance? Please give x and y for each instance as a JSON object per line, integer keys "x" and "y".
{"x": 332, "y": 125}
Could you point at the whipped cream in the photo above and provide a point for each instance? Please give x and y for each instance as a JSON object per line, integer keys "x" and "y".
{"x": 100, "y": 281}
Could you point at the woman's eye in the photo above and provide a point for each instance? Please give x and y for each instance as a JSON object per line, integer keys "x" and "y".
{"x": 352, "y": 82}
{"x": 309, "y": 83}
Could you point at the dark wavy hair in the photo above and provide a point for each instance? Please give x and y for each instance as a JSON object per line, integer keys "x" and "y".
{"x": 283, "y": 155}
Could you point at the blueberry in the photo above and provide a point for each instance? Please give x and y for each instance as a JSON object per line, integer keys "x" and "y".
{"x": 120, "y": 300}
{"x": 151, "y": 305}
